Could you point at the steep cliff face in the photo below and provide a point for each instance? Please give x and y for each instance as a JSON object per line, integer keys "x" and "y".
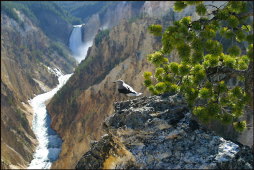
{"x": 26, "y": 54}
{"x": 157, "y": 8}
{"x": 17, "y": 138}
{"x": 78, "y": 110}
{"x": 116, "y": 11}
{"x": 53, "y": 25}
{"x": 89, "y": 94}
{"x": 158, "y": 133}
{"x": 53, "y": 20}
{"x": 84, "y": 9}
{"x": 110, "y": 17}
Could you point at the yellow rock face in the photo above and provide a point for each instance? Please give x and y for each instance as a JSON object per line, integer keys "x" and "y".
{"x": 83, "y": 122}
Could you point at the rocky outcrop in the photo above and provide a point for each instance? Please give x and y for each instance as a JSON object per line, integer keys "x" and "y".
{"x": 87, "y": 99}
{"x": 158, "y": 132}
{"x": 90, "y": 92}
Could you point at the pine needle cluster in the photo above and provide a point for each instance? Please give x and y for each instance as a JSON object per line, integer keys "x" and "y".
{"x": 203, "y": 58}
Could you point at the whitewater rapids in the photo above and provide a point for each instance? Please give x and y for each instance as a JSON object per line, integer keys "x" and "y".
{"x": 49, "y": 142}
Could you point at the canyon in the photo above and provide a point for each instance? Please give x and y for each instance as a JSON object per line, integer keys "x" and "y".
{"x": 97, "y": 44}
{"x": 27, "y": 55}
{"x": 120, "y": 54}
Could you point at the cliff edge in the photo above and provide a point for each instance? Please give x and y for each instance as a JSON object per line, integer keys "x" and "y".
{"x": 159, "y": 132}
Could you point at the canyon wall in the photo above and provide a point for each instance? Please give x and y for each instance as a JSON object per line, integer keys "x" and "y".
{"x": 80, "y": 107}
{"x": 90, "y": 92}
{"x": 26, "y": 54}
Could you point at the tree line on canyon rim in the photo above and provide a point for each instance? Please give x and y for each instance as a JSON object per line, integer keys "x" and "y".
{"x": 30, "y": 9}
{"x": 212, "y": 51}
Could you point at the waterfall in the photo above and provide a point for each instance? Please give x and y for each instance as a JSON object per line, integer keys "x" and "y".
{"x": 78, "y": 48}
{"x": 49, "y": 142}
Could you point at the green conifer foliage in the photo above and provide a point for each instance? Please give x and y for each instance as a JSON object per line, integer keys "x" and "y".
{"x": 203, "y": 59}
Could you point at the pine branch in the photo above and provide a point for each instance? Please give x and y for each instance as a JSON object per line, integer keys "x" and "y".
{"x": 222, "y": 69}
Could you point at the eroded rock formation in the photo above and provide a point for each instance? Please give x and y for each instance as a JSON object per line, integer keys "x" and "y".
{"x": 87, "y": 99}
{"x": 158, "y": 132}
{"x": 26, "y": 54}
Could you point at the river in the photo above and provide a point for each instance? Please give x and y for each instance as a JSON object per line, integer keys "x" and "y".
{"x": 50, "y": 143}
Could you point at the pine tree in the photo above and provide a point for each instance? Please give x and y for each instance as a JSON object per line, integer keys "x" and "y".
{"x": 203, "y": 58}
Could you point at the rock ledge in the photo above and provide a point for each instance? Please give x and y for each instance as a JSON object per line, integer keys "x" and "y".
{"x": 158, "y": 133}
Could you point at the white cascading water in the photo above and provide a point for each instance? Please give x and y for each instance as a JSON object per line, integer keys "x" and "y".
{"x": 49, "y": 142}
{"x": 78, "y": 48}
